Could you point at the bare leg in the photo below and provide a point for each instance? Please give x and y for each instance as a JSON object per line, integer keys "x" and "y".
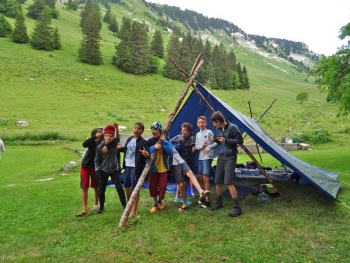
{"x": 232, "y": 190}
{"x": 84, "y": 197}
{"x": 206, "y": 183}
{"x": 128, "y": 192}
{"x": 201, "y": 181}
{"x": 191, "y": 186}
{"x": 194, "y": 181}
{"x": 177, "y": 195}
{"x": 95, "y": 206}
{"x": 182, "y": 188}
{"x": 218, "y": 190}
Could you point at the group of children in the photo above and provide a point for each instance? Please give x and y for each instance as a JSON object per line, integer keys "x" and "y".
{"x": 102, "y": 160}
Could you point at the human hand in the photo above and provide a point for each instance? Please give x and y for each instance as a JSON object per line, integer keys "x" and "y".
{"x": 205, "y": 151}
{"x": 119, "y": 145}
{"x": 205, "y": 143}
{"x": 104, "y": 149}
{"x": 221, "y": 139}
{"x": 194, "y": 149}
{"x": 162, "y": 137}
{"x": 158, "y": 145}
{"x": 144, "y": 152}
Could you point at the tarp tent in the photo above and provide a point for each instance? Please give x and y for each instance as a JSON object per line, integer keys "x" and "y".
{"x": 324, "y": 180}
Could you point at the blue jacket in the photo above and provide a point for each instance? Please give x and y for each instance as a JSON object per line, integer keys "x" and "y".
{"x": 167, "y": 150}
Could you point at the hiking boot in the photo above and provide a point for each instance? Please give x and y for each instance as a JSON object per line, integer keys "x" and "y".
{"x": 236, "y": 211}
{"x": 217, "y": 206}
{"x": 154, "y": 209}
{"x": 161, "y": 206}
{"x": 205, "y": 205}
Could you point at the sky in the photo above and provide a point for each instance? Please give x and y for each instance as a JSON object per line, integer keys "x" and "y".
{"x": 313, "y": 22}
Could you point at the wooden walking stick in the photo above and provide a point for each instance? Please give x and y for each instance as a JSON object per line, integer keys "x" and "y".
{"x": 262, "y": 170}
{"x": 125, "y": 215}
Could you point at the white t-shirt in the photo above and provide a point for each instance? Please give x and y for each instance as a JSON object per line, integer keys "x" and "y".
{"x": 130, "y": 153}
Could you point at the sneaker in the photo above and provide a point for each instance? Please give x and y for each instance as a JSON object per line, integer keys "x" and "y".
{"x": 188, "y": 202}
{"x": 178, "y": 200}
{"x": 154, "y": 209}
{"x": 217, "y": 206}
{"x": 194, "y": 195}
{"x": 161, "y": 206}
{"x": 205, "y": 205}
{"x": 201, "y": 201}
{"x": 236, "y": 211}
{"x": 263, "y": 197}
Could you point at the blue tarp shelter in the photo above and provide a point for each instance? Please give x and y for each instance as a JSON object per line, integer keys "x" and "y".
{"x": 324, "y": 180}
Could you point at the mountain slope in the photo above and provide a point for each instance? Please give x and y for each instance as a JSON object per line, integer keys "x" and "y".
{"x": 53, "y": 91}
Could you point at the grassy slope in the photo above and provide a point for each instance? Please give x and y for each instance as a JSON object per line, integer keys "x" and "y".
{"x": 52, "y": 90}
{"x": 37, "y": 218}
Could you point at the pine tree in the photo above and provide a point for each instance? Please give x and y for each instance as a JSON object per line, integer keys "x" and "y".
{"x": 140, "y": 48}
{"x": 123, "y": 57}
{"x": 5, "y": 27}
{"x": 113, "y": 24}
{"x": 108, "y": 16}
{"x": 232, "y": 61}
{"x": 56, "y": 40}
{"x": 89, "y": 51}
{"x": 240, "y": 75}
{"x": 89, "y": 7}
{"x": 41, "y": 37}
{"x": 125, "y": 31}
{"x": 173, "y": 51}
{"x": 35, "y": 10}
{"x": 186, "y": 60}
{"x": 19, "y": 34}
{"x": 246, "y": 84}
{"x": 157, "y": 44}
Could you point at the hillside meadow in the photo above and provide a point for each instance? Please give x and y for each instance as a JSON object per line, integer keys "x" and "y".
{"x": 56, "y": 93}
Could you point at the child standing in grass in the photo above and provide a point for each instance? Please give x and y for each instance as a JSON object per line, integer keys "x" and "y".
{"x": 107, "y": 165}
{"x": 185, "y": 145}
{"x": 158, "y": 176}
{"x": 135, "y": 153}
{"x": 87, "y": 170}
{"x": 205, "y": 147}
{"x": 228, "y": 135}
{"x": 182, "y": 173}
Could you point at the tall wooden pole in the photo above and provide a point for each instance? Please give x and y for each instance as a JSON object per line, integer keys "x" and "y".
{"x": 262, "y": 170}
{"x": 125, "y": 215}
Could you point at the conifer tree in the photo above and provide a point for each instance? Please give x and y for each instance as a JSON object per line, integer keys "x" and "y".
{"x": 113, "y": 24}
{"x": 232, "y": 63}
{"x": 123, "y": 57}
{"x": 140, "y": 48}
{"x": 5, "y": 27}
{"x": 157, "y": 44}
{"x": 246, "y": 84}
{"x": 240, "y": 75}
{"x": 125, "y": 31}
{"x": 89, "y": 7}
{"x": 173, "y": 51}
{"x": 19, "y": 34}
{"x": 108, "y": 16}
{"x": 41, "y": 37}
{"x": 89, "y": 51}
{"x": 56, "y": 40}
{"x": 35, "y": 10}
{"x": 186, "y": 57}
{"x": 210, "y": 73}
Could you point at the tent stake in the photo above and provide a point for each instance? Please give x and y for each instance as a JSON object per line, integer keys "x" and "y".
{"x": 131, "y": 201}
{"x": 262, "y": 170}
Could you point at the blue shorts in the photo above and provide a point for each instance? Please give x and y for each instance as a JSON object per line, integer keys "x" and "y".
{"x": 130, "y": 179}
{"x": 204, "y": 167}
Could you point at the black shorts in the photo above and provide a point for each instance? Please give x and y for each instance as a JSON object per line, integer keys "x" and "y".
{"x": 225, "y": 169}
{"x": 179, "y": 172}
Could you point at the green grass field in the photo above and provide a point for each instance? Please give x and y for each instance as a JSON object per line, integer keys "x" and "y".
{"x": 57, "y": 94}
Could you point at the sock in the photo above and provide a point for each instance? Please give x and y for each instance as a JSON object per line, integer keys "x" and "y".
{"x": 219, "y": 199}
{"x": 235, "y": 202}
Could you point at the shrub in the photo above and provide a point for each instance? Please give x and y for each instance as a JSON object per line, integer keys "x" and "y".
{"x": 319, "y": 136}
